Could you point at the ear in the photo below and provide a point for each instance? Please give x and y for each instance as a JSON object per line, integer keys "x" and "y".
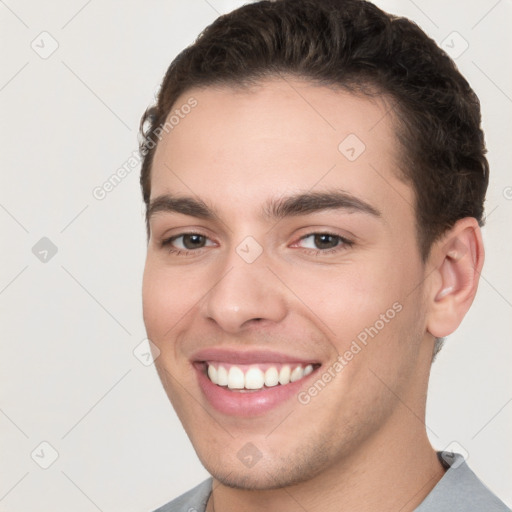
{"x": 455, "y": 263}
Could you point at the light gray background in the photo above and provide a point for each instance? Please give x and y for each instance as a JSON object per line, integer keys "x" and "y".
{"x": 69, "y": 325}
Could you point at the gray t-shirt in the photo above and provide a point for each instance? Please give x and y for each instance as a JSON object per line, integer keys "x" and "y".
{"x": 459, "y": 490}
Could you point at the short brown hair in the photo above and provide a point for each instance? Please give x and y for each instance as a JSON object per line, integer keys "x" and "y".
{"x": 353, "y": 45}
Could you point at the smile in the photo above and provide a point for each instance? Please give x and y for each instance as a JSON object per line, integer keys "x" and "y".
{"x": 250, "y": 383}
{"x": 251, "y": 377}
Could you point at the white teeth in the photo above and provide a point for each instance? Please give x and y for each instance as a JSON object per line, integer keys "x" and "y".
{"x": 271, "y": 377}
{"x": 212, "y": 373}
{"x": 254, "y": 379}
{"x": 296, "y": 374}
{"x": 284, "y": 375}
{"x": 236, "y": 378}
{"x": 222, "y": 376}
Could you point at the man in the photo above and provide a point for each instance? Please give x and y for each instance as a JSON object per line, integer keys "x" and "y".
{"x": 314, "y": 175}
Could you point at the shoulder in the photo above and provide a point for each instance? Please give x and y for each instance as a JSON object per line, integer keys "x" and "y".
{"x": 192, "y": 501}
{"x": 460, "y": 490}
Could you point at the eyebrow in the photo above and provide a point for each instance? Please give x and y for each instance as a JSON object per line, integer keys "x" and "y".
{"x": 311, "y": 202}
{"x": 294, "y": 205}
{"x": 180, "y": 204}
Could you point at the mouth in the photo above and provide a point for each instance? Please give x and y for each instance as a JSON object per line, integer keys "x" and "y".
{"x": 248, "y": 384}
{"x": 243, "y": 378}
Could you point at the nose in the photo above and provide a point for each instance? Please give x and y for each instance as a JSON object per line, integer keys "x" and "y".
{"x": 246, "y": 294}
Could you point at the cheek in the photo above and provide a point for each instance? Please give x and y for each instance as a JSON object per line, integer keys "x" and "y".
{"x": 164, "y": 300}
{"x": 349, "y": 299}
{"x": 365, "y": 308}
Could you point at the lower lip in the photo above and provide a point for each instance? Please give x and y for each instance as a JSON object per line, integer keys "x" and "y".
{"x": 251, "y": 403}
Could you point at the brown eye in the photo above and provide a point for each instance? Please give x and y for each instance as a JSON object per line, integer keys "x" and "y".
{"x": 326, "y": 241}
{"x": 187, "y": 242}
{"x": 323, "y": 242}
{"x": 193, "y": 241}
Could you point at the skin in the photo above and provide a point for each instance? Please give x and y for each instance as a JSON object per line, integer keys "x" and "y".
{"x": 351, "y": 446}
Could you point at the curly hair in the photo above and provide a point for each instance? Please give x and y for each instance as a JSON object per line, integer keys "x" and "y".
{"x": 355, "y": 46}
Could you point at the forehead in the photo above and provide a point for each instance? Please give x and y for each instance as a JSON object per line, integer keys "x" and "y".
{"x": 242, "y": 146}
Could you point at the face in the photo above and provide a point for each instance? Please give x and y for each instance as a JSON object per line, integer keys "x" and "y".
{"x": 283, "y": 281}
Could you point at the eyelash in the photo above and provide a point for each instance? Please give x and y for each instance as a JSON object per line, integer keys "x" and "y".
{"x": 343, "y": 244}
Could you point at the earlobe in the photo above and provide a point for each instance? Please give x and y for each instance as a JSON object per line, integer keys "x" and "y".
{"x": 458, "y": 259}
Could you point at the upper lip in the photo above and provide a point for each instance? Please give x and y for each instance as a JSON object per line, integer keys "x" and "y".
{"x": 237, "y": 356}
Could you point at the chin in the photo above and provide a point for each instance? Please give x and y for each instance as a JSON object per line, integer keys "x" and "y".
{"x": 269, "y": 472}
{"x": 258, "y": 480}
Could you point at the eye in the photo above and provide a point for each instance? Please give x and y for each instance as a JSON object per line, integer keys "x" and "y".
{"x": 187, "y": 242}
{"x": 323, "y": 242}
{"x": 320, "y": 241}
